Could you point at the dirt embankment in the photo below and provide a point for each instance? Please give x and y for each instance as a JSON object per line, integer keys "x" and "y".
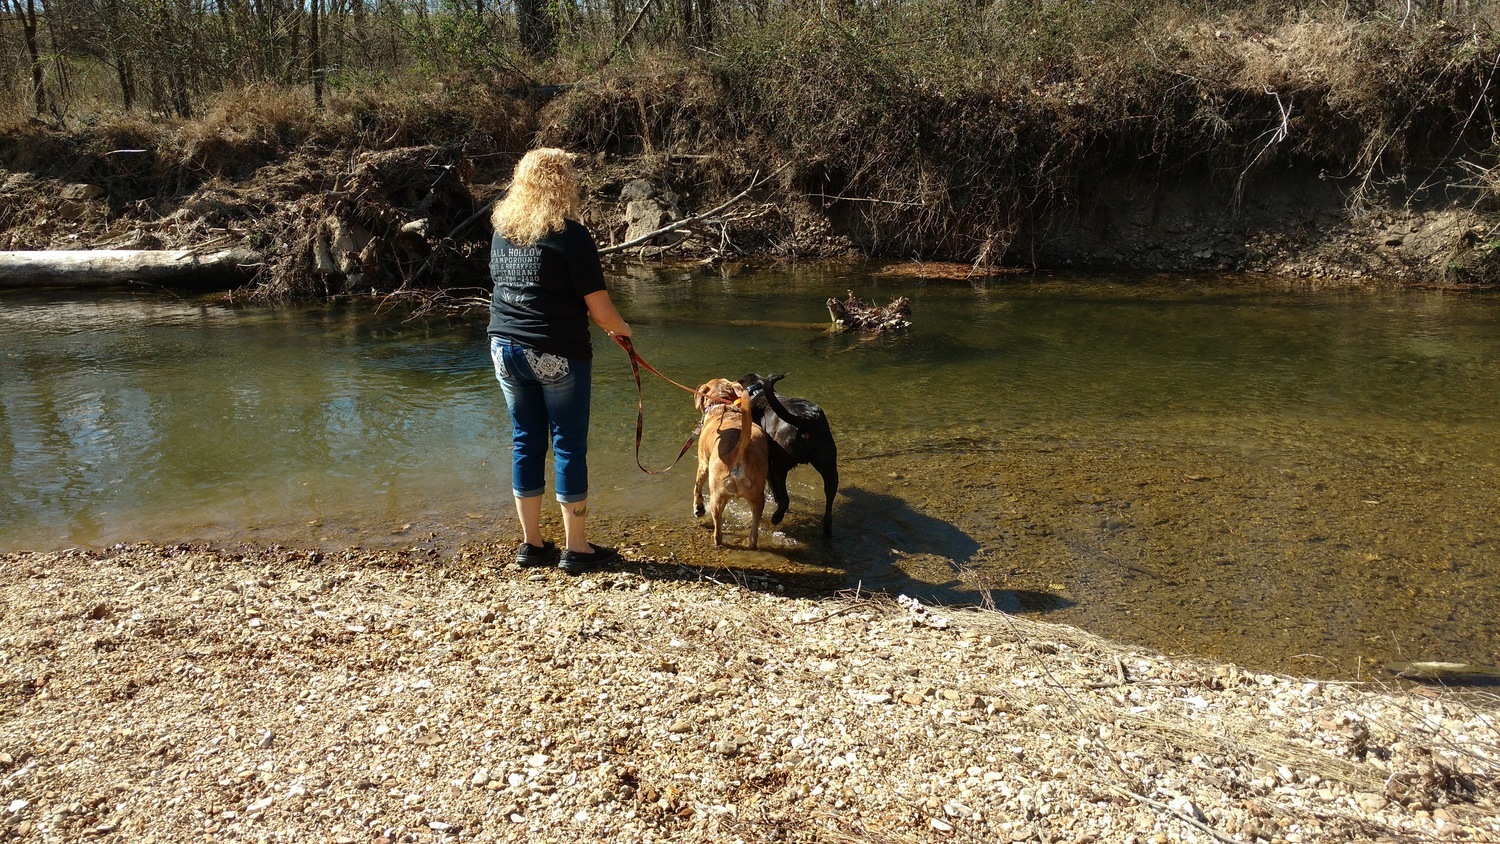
{"x": 195, "y": 693}
{"x": 413, "y": 217}
{"x": 1333, "y": 144}
{"x": 327, "y": 219}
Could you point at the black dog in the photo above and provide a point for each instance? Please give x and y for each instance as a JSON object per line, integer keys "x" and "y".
{"x": 799, "y": 433}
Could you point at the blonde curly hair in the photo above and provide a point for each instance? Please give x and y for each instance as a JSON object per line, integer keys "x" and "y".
{"x": 543, "y": 195}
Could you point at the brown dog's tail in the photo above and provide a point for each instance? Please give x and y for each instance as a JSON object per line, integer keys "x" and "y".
{"x": 742, "y": 404}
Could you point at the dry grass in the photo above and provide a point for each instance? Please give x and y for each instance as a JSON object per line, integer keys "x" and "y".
{"x": 924, "y": 131}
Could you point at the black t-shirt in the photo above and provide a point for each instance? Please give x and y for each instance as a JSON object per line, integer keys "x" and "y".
{"x": 539, "y": 290}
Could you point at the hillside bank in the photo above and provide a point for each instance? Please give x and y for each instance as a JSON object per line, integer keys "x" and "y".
{"x": 1345, "y": 150}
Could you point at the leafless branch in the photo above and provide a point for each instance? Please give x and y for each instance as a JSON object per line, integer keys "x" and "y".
{"x": 674, "y": 226}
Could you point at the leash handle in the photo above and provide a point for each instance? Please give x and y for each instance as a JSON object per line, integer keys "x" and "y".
{"x": 636, "y": 362}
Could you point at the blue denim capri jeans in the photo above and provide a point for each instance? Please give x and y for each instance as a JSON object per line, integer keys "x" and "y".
{"x": 548, "y": 397}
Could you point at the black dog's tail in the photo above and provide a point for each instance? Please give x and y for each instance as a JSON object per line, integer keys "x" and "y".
{"x": 768, "y": 386}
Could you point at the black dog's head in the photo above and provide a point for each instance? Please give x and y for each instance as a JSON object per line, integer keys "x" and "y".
{"x": 757, "y": 385}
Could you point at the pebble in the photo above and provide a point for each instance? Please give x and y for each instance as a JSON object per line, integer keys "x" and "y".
{"x": 1185, "y": 807}
{"x": 955, "y": 809}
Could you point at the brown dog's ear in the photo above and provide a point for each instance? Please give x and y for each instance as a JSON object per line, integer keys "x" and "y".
{"x": 700, "y": 397}
{"x": 741, "y": 398}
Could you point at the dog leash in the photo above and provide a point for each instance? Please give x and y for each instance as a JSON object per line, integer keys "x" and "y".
{"x": 636, "y": 362}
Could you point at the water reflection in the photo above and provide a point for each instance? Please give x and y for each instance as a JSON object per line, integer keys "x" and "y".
{"x": 1303, "y": 481}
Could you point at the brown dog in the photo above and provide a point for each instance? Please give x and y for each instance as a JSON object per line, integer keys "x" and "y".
{"x": 733, "y": 455}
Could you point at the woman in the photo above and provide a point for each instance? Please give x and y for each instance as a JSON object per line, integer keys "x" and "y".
{"x": 548, "y": 285}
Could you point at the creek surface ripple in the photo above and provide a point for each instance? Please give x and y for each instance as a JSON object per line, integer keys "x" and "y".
{"x": 1295, "y": 480}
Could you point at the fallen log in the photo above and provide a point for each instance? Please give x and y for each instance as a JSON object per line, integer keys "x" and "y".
{"x": 104, "y": 267}
{"x": 1457, "y": 673}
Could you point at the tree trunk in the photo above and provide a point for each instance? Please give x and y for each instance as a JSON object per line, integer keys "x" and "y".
{"x": 119, "y": 56}
{"x": 697, "y": 17}
{"x": 315, "y": 54}
{"x": 537, "y": 27}
{"x": 61, "y": 81}
{"x": 103, "y": 267}
{"x": 28, "y": 29}
{"x": 703, "y": 32}
{"x": 293, "y": 56}
{"x": 617, "y": 17}
{"x": 357, "y": 9}
{"x": 176, "y": 79}
{"x": 126, "y": 75}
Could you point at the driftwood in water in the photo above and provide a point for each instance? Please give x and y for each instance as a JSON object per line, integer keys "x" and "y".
{"x": 853, "y": 314}
{"x": 103, "y": 267}
{"x": 1447, "y": 672}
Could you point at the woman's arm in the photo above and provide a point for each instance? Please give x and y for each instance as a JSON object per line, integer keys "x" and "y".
{"x": 602, "y": 312}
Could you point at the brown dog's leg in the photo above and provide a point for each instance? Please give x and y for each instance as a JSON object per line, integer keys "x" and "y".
{"x": 716, "y": 505}
{"x": 757, "y": 507}
{"x": 698, "y": 487}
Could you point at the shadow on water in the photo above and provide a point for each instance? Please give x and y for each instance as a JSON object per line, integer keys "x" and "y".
{"x": 883, "y": 544}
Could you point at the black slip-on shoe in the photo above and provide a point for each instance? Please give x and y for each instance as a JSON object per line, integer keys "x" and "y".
{"x": 530, "y": 556}
{"x": 574, "y": 562}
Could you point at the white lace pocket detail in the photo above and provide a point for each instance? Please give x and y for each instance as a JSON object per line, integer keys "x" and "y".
{"x": 548, "y": 368}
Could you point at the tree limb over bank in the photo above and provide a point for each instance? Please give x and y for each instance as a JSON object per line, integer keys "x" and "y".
{"x": 104, "y": 267}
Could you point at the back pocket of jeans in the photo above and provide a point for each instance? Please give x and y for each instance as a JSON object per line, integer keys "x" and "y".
{"x": 497, "y": 357}
{"x": 548, "y": 368}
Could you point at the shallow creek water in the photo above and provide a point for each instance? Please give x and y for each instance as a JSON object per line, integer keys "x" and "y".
{"x": 1302, "y": 481}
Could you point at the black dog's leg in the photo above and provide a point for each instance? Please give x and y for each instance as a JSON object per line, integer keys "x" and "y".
{"x": 829, "y": 469}
{"x": 777, "y": 479}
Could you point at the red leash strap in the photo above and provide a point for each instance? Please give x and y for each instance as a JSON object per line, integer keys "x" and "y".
{"x": 636, "y": 362}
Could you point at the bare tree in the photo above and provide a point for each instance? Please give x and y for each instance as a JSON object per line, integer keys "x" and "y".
{"x": 315, "y": 53}
{"x": 538, "y": 28}
{"x": 697, "y": 20}
{"x": 119, "y": 56}
{"x": 28, "y": 17}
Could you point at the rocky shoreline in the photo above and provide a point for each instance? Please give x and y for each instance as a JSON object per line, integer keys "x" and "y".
{"x": 267, "y": 694}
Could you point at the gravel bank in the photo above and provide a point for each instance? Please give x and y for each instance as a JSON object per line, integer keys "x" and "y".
{"x": 177, "y": 694}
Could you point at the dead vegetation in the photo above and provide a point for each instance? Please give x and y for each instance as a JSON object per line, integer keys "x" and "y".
{"x": 994, "y": 140}
{"x": 381, "y": 228}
